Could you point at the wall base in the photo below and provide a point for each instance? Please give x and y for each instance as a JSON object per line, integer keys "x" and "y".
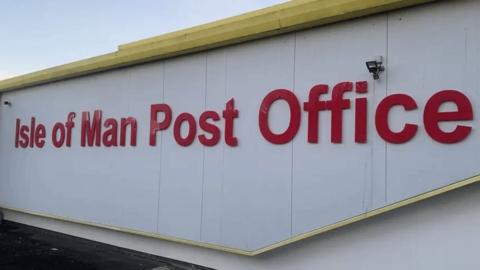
{"x": 442, "y": 232}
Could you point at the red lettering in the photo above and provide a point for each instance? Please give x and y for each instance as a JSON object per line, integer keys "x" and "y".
{"x": 40, "y": 134}
{"x": 192, "y": 129}
{"x": 123, "y": 131}
{"x": 32, "y": 132}
{"x": 381, "y": 119}
{"x": 154, "y": 125}
{"x": 17, "y": 132}
{"x": 294, "y": 124}
{"x": 24, "y": 136}
{"x": 361, "y": 120}
{"x": 58, "y": 142}
{"x": 313, "y": 107}
{"x": 361, "y": 113}
{"x": 361, "y": 87}
{"x": 69, "y": 124}
{"x": 91, "y": 132}
{"x": 229, "y": 114}
{"x": 210, "y": 128}
{"x": 336, "y": 106}
{"x": 109, "y": 137}
{"x": 32, "y": 136}
{"x": 431, "y": 116}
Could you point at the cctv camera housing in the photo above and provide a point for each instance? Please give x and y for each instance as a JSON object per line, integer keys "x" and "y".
{"x": 379, "y": 59}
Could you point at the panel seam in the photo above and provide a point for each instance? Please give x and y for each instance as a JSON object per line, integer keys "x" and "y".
{"x": 161, "y": 150}
{"x": 203, "y": 172}
{"x": 223, "y": 145}
{"x": 386, "y": 94}
{"x": 291, "y": 166}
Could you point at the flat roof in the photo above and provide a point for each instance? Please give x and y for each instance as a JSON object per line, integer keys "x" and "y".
{"x": 275, "y": 20}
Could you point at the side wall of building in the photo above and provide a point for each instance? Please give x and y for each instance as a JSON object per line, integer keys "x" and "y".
{"x": 440, "y": 233}
{"x": 256, "y": 194}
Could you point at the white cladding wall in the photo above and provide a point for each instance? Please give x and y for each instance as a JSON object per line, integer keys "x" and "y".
{"x": 256, "y": 194}
{"x": 441, "y": 233}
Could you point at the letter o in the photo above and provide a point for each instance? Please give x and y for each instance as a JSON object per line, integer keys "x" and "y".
{"x": 192, "y": 129}
{"x": 294, "y": 124}
{"x": 56, "y": 128}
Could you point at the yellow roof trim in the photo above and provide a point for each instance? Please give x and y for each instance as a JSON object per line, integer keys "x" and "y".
{"x": 279, "y": 19}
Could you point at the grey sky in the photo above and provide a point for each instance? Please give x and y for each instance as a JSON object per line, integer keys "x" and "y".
{"x": 38, "y": 34}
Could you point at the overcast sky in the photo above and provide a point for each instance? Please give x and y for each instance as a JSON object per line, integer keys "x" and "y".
{"x": 39, "y": 34}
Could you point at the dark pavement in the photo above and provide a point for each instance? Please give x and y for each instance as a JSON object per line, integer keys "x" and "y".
{"x": 28, "y": 248}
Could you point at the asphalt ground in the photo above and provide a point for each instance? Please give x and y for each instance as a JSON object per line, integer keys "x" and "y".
{"x": 27, "y": 248}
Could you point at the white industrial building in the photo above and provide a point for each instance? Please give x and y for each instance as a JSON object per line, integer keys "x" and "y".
{"x": 314, "y": 134}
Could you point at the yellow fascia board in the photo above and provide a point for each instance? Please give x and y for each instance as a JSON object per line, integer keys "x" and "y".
{"x": 279, "y": 19}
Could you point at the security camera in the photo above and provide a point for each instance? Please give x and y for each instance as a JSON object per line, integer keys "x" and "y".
{"x": 6, "y": 102}
{"x": 379, "y": 59}
{"x": 376, "y": 66}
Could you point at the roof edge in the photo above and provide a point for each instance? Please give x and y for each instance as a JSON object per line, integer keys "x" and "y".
{"x": 275, "y": 20}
